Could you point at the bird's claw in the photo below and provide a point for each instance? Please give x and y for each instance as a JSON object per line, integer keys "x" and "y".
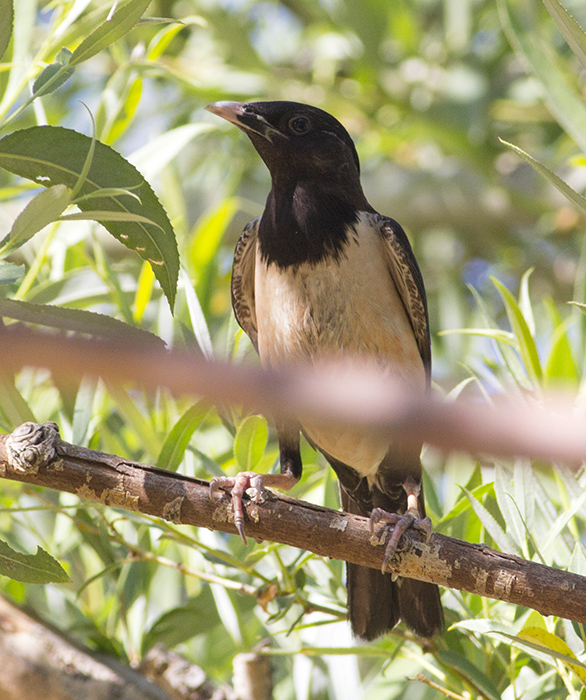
{"x": 238, "y": 485}
{"x": 401, "y": 523}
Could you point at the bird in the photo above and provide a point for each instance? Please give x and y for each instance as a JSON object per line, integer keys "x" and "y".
{"x": 321, "y": 275}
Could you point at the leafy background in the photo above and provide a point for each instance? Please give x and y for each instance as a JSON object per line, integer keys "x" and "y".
{"x": 427, "y": 88}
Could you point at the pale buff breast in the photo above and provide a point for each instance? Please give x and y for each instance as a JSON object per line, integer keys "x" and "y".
{"x": 349, "y": 308}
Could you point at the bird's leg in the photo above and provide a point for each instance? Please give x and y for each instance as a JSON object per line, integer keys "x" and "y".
{"x": 411, "y": 518}
{"x": 291, "y": 468}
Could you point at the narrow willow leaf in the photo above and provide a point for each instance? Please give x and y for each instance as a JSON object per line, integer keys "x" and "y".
{"x": 101, "y": 216}
{"x": 544, "y": 641}
{"x": 151, "y": 158}
{"x": 52, "y": 77}
{"x": 178, "y": 439}
{"x": 13, "y": 405}
{"x": 503, "y": 541}
{"x": 525, "y": 301}
{"x": 504, "y": 492}
{"x": 79, "y": 320}
{"x": 467, "y": 670}
{"x": 579, "y": 305}
{"x": 563, "y": 98}
{"x": 42, "y": 210}
{"x": 561, "y": 367}
{"x": 494, "y": 333}
{"x": 522, "y": 333}
{"x": 83, "y": 410}
{"x": 576, "y": 199}
{"x": 9, "y": 272}
{"x": 571, "y": 30}
{"x": 197, "y": 317}
{"x": 250, "y": 442}
{"x": 6, "y": 25}
{"x": 53, "y": 155}
{"x": 144, "y": 292}
{"x": 31, "y": 568}
{"x": 107, "y": 192}
{"x": 113, "y": 28}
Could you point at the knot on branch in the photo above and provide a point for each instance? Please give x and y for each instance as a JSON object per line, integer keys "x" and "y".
{"x": 32, "y": 446}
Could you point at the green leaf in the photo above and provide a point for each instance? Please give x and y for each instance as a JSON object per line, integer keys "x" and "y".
{"x": 178, "y": 625}
{"x": 101, "y": 216}
{"x": 31, "y": 568}
{"x": 113, "y": 28}
{"x": 9, "y": 272}
{"x": 250, "y": 442}
{"x": 469, "y": 671}
{"x": 79, "y": 320}
{"x": 13, "y": 406}
{"x": 579, "y": 305}
{"x": 541, "y": 640}
{"x": 571, "y": 30}
{"x": 51, "y": 78}
{"x": 45, "y": 208}
{"x": 83, "y": 410}
{"x": 563, "y": 98}
{"x": 504, "y": 492}
{"x": 576, "y": 199}
{"x": 176, "y": 442}
{"x": 497, "y": 533}
{"x": 522, "y": 333}
{"x": 493, "y": 333}
{"x": 6, "y": 25}
{"x": 561, "y": 367}
{"x": 53, "y": 155}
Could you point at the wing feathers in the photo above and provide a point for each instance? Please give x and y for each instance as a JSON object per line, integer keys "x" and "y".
{"x": 407, "y": 277}
{"x": 242, "y": 287}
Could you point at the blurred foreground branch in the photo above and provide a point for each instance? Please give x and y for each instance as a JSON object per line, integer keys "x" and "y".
{"x": 342, "y": 394}
{"x": 35, "y": 454}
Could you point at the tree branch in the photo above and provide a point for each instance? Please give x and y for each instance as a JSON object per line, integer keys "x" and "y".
{"x": 35, "y": 454}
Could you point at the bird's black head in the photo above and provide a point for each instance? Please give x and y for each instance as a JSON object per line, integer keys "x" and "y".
{"x": 316, "y": 195}
{"x": 297, "y": 142}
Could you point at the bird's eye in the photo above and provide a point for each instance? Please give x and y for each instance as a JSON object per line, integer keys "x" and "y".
{"x": 300, "y": 125}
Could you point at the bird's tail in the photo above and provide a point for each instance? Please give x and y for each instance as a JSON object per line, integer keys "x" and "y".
{"x": 376, "y": 603}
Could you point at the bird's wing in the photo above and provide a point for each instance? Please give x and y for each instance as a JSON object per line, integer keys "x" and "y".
{"x": 406, "y": 275}
{"x": 242, "y": 287}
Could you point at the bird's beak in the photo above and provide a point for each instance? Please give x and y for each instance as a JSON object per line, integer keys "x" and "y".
{"x": 244, "y": 117}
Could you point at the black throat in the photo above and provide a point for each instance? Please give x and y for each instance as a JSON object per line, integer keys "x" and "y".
{"x": 307, "y": 222}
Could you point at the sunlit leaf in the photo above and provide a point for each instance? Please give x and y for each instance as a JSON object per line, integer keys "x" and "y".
{"x": 576, "y": 199}
{"x": 112, "y": 29}
{"x": 522, "y": 333}
{"x": 51, "y": 78}
{"x": 31, "y": 568}
{"x": 79, "y": 320}
{"x": 503, "y": 541}
{"x": 250, "y": 442}
{"x": 470, "y": 672}
{"x": 45, "y": 208}
{"x": 9, "y": 272}
{"x": 53, "y": 155}
{"x": 179, "y": 436}
{"x": 572, "y": 31}
{"x": 562, "y": 97}
{"x": 560, "y": 366}
{"x": 541, "y": 640}
{"x": 6, "y": 25}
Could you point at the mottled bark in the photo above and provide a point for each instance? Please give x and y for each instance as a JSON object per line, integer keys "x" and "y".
{"x": 444, "y": 560}
{"x": 39, "y": 662}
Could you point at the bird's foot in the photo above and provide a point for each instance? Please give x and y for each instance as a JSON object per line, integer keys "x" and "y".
{"x": 402, "y": 523}
{"x": 238, "y": 485}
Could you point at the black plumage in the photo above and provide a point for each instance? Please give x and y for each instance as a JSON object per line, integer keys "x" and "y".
{"x": 322, "y": 275}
